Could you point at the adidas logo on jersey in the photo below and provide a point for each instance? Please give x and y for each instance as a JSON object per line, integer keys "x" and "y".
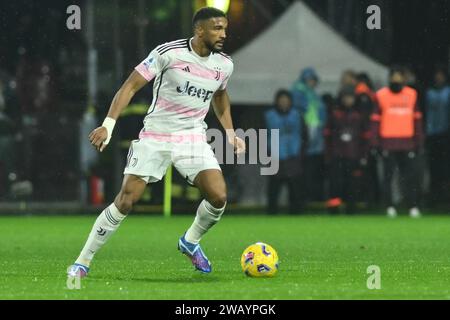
{"x": 195, "y": 92}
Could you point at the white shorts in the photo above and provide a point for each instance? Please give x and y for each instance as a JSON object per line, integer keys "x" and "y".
{"x": 149, "y": 159}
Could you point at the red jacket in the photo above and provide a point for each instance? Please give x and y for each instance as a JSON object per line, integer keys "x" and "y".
{"x": 346, "y": 135}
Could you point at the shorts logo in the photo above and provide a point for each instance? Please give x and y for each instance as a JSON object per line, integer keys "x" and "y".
{"x": 134, "y": 162}
{"x": 193, "y": 91}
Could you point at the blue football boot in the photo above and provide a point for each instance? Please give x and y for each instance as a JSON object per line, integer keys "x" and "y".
{"x": 78, "y": 270}
{"x": 196, "y": 254}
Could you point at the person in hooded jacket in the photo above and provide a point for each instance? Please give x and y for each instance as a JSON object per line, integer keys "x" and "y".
{"x": 312, "y": 109}
{"x": 287, "y": 121}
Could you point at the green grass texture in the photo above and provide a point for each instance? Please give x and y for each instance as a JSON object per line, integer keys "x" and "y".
{"x": 321, "y": 257}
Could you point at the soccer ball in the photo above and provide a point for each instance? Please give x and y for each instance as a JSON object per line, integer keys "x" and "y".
{"x": 259, "y": 260}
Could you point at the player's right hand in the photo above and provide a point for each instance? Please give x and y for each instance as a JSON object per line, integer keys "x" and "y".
{"x": 98, "y": 138}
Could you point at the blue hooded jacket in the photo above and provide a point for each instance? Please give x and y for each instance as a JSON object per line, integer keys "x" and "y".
{"x": 312, "y": 108}
{"x": 289, "y": 126}
{"x": 437, "y": 105}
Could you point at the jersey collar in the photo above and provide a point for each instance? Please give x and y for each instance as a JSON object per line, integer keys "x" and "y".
{"x": 195, "y": 53}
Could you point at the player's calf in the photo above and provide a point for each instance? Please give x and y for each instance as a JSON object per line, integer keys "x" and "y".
{"x": 130, "y": 193}
{"x": 109, "y": 220}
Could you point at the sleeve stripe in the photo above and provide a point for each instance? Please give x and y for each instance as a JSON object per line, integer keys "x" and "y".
{"x": 164, "y": 46}
{"x": 226, "y": 56}
{"x": 142, "y": 70}
{"x": 171, "y": 48}
{"x": 170, "y": 44}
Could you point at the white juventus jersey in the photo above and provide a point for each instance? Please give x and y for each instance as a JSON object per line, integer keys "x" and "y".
{"x": 184, "y": 86}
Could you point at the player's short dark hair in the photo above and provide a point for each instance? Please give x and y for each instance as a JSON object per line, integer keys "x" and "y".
{"x": 206, "y": 13}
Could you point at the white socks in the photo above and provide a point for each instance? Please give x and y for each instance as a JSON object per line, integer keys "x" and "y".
{"x": 107, "y": 222}
{"x": 110, "y": 218}
{"x": 207, "y": 216}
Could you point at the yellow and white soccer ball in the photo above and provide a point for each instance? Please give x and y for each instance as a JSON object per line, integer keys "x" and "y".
{"x": 259, "y": 260}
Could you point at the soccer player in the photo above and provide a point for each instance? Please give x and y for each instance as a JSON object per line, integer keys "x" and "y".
{"x": 190, "y": 74}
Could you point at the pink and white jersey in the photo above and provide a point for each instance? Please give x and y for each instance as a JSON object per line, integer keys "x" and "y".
{"x": 184, "y": 86}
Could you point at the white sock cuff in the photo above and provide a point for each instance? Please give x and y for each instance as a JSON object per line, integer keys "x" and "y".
{"x": 212, "y": 210}
{"x": 113, "y": 214}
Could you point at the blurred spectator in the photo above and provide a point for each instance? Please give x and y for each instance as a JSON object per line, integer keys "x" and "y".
{"x": 44, "y": 150}
{"x": 367, "y": 100}
{"x": 397, "y": 132}
{"x": 313, "y": 111}
{"x": 365, "y": 94}
{"x": 348, "y": 79}
{"x": 437, "y": 108}
{"x": 288, "y": 121}
{"x": 347, "y": 146}
{"x": 7, "y": 152}
{"x": 36, "y": 86}
{"x": 412, "y": 81}
{"x": 329, "y": 103}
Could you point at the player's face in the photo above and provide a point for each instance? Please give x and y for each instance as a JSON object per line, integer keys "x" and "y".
{"x": 214, "y": 33}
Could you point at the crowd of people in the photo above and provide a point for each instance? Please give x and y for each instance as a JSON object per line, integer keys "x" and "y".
{"x": 342, "y": 150}
{"x": 36, "y": 135}
{"x": 345, "y": 150}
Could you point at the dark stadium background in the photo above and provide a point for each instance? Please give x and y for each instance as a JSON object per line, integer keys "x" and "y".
{"x": 418, "y": 34}
{"x": 416, "y": 31}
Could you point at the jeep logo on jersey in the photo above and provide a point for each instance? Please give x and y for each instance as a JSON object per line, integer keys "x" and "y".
{"x": 195, "y": 92}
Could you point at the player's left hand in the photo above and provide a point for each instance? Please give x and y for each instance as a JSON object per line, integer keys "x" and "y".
{"x": 238, "y": 144}
{"x": 98, "y": 138}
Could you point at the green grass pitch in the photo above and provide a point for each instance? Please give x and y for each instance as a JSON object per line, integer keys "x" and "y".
{"x": 321, "y": 257}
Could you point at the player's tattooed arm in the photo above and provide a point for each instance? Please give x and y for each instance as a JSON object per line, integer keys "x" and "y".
{"x": 222, "y": 109}
{"x": 100, "y": 136}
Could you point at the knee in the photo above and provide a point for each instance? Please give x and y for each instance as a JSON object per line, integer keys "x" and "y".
{"x": 218, "y": 200}
{"x": 124, "y": 202}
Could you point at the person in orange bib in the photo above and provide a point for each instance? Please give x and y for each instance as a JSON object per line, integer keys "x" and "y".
{"x": 397, "y": 132}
